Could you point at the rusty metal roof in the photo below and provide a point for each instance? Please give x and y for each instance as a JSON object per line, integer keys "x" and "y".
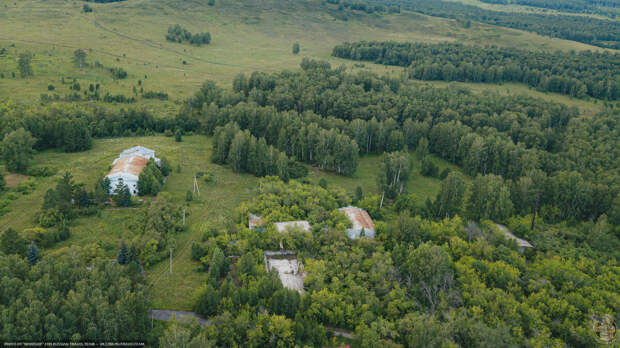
{"x": 359, "y": 217}
{"x": 129, "y": 165}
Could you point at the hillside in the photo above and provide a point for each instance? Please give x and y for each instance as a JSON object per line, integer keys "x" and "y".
{"x": 327, "y": 173}
{"x": 247, "y": 36}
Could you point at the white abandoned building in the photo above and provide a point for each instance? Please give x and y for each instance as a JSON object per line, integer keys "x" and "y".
{"x": 128, "y": 166}
{"x": 363, "y": 226}
{"x": 301, "y": 225}
{"x": 521, "y": 243}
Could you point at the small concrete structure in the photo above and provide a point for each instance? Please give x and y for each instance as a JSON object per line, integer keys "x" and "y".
{"x": 521, "y": 243}
{"x": 128, "y": 166}
{"x": 289, "y": 269}
{"x": 362, "y": 223}
{"x": 254, "y": 221}
{"x": 301, "y": 225}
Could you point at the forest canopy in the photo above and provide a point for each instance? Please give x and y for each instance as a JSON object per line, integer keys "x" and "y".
{"x": 326, "y": 116}
{"x": 576, "y": 74}
{"x": 72, "y": 295}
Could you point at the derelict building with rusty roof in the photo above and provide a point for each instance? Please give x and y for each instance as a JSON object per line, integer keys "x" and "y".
{"x": 363, "y": 226}
{"x": 128, "y": 166}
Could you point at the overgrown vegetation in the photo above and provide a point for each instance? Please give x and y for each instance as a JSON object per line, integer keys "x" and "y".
{"x": 418, "y": 276}
{"x": 522, "y": 139}
{"x": 151, "y": 178}
{"x": 177, "y": 33}
{"x": 90, "y": 297}
{"x": 575, "y": 74}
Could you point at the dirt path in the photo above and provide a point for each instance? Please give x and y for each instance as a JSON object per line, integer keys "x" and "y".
{"x": 159, "y": 46}
{"x": 164, "y": 314}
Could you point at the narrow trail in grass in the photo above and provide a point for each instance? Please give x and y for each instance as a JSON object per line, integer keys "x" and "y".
{"x": 159, "y": 46}
{"x": 104, "y": 53}
{"x": 157, "y": 276}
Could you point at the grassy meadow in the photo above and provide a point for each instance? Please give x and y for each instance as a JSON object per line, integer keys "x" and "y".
{"x": 247, "y": 36}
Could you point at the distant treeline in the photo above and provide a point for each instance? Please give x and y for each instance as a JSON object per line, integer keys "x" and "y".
{"x": 177, "y": 33}
{"x": 590, "y": 30}
{"x": 363, "y": 6}
{"x": 71, "y": 129}
{"x": 576, "y": 74}
{"x": 561, "y": 5}
{"x": 155, "y": 95}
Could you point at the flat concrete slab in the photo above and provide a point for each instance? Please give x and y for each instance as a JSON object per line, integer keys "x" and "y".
{"x": 290, "y": 271}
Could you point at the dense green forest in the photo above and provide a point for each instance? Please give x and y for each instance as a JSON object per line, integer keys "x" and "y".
{"x": 73, "y": 295}
{"x": 539, "y": 146}
{"x": 421, "y": 282}
{"x": 590, "y": 30}
{"x": 576, "y": 74}
{"x": 71, "y": 127}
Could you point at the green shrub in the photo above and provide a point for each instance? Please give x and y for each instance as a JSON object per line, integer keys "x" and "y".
{"x": 41, "y": 171}
{"x": 197, "y": 252}
{"x": 118, "y": 73}
{"x": 50, "y": 217}
{"x": 429, "y": 168}
{"x": 208, "y": 177}
{"x": 27, "y": 186}
{"x": 12, "y": 196}
{"x": 4, "y": 206}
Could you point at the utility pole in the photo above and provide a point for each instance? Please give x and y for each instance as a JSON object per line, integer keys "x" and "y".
{"x": 170, "y": 260}
{"x": 535, "y": 210}
{"x": 196, "y": 189}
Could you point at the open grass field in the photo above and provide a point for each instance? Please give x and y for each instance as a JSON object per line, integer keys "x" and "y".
{"x": 217, "y": 200}
{"x": 247, "y": 36}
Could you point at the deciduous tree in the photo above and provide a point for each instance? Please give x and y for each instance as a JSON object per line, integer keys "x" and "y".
{"x": 16, "y": 150}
